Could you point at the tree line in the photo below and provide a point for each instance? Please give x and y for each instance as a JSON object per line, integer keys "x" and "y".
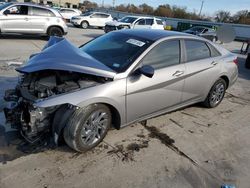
{"x": 166, "y": 10}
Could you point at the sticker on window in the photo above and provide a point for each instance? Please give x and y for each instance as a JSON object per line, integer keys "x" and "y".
{"x": 116, "y": 65}
{"x": 135, "y": 42}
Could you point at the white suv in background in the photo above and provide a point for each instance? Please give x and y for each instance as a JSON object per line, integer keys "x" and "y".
{"x": 134, "y": 22}
{"x": 26, "y": 18}
{"x": 68, "y": 13}
{"x": 96, "y": 19}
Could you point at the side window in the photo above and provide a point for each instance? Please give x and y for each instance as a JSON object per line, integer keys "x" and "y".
{"x": 67, "y": 11}
{"x": 159, "y": 22}
{"x": 205, "y": 31}
{"x": 140, "y": 22}
{"x": 196, "y": 50}
{"x": 149, "y": 21}
{"x": 95, "y": 16}
{"x": 214, "y": 51}
{"x": 165, "y": 54}
{"x": 104, "y": 16}
{"x": 18, "y": 10}
{"x": 36, "y": 11}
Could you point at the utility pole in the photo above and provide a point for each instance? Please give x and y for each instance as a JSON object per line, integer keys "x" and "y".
{"x": 102, "y": 3}
{"x": 201, "y": 7}
{"x": 113, "y": 3}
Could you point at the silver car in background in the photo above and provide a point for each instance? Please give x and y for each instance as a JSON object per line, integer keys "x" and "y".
{"x": 27, "y": 18}
{"x": 117, "y": 79}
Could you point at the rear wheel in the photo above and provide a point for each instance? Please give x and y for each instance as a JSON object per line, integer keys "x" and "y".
{"x": 84, "y": 24}
{"x": 216, "y": 94}
{"x": 55, "y": 31}
{"x": 87, "y": 127}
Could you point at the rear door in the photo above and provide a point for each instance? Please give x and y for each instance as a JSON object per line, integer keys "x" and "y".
{"x": 16, "y": 19}
{"x": 103, "y": 19}
{"x": 94, "y": 19}
{"x": 39, "y": 19}
{"x": 146, "y": 96}
{"x": 140, "y": 24}
{"x": 202, "y": 69}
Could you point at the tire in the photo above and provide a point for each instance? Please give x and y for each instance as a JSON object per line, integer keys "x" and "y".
{"x": 247, "y": 63}
{"x": 55, "y": 31}
{"x": 84, "y": 24}
{"x": 216, "y": 94}
{"x": 83, "y": 132}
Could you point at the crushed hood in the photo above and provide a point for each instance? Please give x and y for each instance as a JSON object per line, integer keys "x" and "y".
{"x": 60, "y": 54}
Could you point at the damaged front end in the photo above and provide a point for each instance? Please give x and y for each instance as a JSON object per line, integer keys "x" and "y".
{"x": 32, "y": 121}
{"x": 60, "y": 68}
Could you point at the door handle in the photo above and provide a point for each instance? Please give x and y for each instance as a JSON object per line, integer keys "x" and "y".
{"x": 178, "y": 73}
{"x": 26, "y": 19}
{"x": 214, "y": 63}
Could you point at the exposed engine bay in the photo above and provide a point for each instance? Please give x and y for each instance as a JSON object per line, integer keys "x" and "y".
{"x": 32, "y": 121}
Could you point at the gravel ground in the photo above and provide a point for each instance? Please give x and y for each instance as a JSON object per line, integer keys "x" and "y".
{"x": 192, "y": 147}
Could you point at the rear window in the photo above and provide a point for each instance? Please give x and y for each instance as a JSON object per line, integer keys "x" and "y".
{"x": 37, "y": 11}
{"x": 159, "y": 22}
{"x": 196, "y": 50}
{"x": 214, "y": 51}
{"x": 149, "y": 21}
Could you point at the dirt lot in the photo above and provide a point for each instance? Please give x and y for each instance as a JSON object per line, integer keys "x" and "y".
{"x": 192, "y": 147}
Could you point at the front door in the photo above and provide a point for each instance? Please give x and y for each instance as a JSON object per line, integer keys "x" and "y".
{"x": 151, "y": 95}
{"x": 16, "y": 19}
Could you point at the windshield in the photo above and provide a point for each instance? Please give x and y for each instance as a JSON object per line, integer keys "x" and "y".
{"x": 116, "y": 50}
{"x": 199, "y": 29}
{"x": 87, "y": 14}
{"x": 4, "y": 5}
{"x": 128, "y": 19}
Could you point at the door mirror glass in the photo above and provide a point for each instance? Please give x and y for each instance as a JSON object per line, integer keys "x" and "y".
{"x": 147, "y": 70}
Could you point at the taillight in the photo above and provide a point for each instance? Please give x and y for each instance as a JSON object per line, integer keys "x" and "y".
{"x": 235, "y": 61}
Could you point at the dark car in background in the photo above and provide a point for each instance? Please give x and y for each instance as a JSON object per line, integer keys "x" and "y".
{"x": 202, "y": 31}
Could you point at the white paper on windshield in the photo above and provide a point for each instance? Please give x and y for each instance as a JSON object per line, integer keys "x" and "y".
{"x": 135, "y": 42}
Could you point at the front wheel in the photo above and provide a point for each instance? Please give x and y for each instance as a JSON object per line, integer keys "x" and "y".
{"x": 84, "y": 24}
{"x": 216, "y": 94}
{"x": 87, "y": 127}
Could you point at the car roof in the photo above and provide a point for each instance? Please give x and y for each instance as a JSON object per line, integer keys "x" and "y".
{"x": 153, "y": 34}
{"x": 142, "y": 17}
{"x": 31, "y": 4}
{"x": 100, "y": 13}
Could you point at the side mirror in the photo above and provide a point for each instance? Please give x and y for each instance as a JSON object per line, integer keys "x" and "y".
{"x": 147, "y": 70}
{"x": 6, "y": 12}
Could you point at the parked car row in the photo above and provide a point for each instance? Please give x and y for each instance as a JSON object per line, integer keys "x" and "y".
{"x": 35, "y": 19}
{"x": 99, "y": 19}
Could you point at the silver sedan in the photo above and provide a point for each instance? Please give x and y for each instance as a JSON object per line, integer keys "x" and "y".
{"x": 120, "y": 78}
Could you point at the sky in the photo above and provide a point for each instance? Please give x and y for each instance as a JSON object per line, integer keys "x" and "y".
{"x": 209, "y": 8}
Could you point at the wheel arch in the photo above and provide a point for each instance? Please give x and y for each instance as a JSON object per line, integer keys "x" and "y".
{"x": 84, "y": 21}
{"x": 224, "y": 77}
{"x": 59, "y": 122}
{"x": 47, "y": 32}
